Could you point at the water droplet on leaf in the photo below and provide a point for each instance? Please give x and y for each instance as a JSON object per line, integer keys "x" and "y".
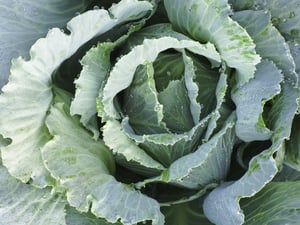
{"x": 275, "y": 20}
{"x": 292, "y": 15}
{"x": 294, "y": 32}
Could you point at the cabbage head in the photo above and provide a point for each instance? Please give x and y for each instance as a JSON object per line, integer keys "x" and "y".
{"x": 154, "y": 112}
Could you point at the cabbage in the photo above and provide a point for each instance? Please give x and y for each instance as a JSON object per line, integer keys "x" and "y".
{"x": 150, "y": 112}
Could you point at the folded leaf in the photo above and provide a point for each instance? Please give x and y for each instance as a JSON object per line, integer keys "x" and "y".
{"x": 208, "y": 21}
{"x": 96, "y": 65}
{"x": 115, "y": 138}
{"x": 209, "y": 163}
{"x": 269, "y": 42}
{"x": 250, "y": 100}
{"x": 140, "y": 103}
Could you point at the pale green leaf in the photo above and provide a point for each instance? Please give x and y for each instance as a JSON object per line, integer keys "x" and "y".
{"x": 192, "y": 87}
{"x": 115, "y": 138}
{"x": 269, "y": 42}
{"x": 208, "y": 21}
{"x": 285, "y": 14}
{"x": 28, "y": 95}
{"x": 250, "y": 100}
{"x": 22, "y": 204}
{"x": 95, "y": 68}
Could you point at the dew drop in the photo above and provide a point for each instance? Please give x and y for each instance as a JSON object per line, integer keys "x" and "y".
{"x": 257, "y": 7}
{"x": 292, "y": 15}
{"x": 77, "y": 13}
{"x": 294, "y": 32}
{"x": 96, "y": 7}
{"x": 275, "y": 20}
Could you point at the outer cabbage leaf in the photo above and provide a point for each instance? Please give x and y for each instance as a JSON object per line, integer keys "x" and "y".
{"x": 285, "y": 14}
{"x": 269, "y": 42}
{"x": 250, "y": 100}
{"x": 222, "y": 204}
{"x": 24, "y": 204}
{"x": 208, "y": 21}
{"x": 22, "y": 22}
{"x": 73, "y": 158}
{"x": 272, "y": 205}
{"x": 28, "y": 95}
